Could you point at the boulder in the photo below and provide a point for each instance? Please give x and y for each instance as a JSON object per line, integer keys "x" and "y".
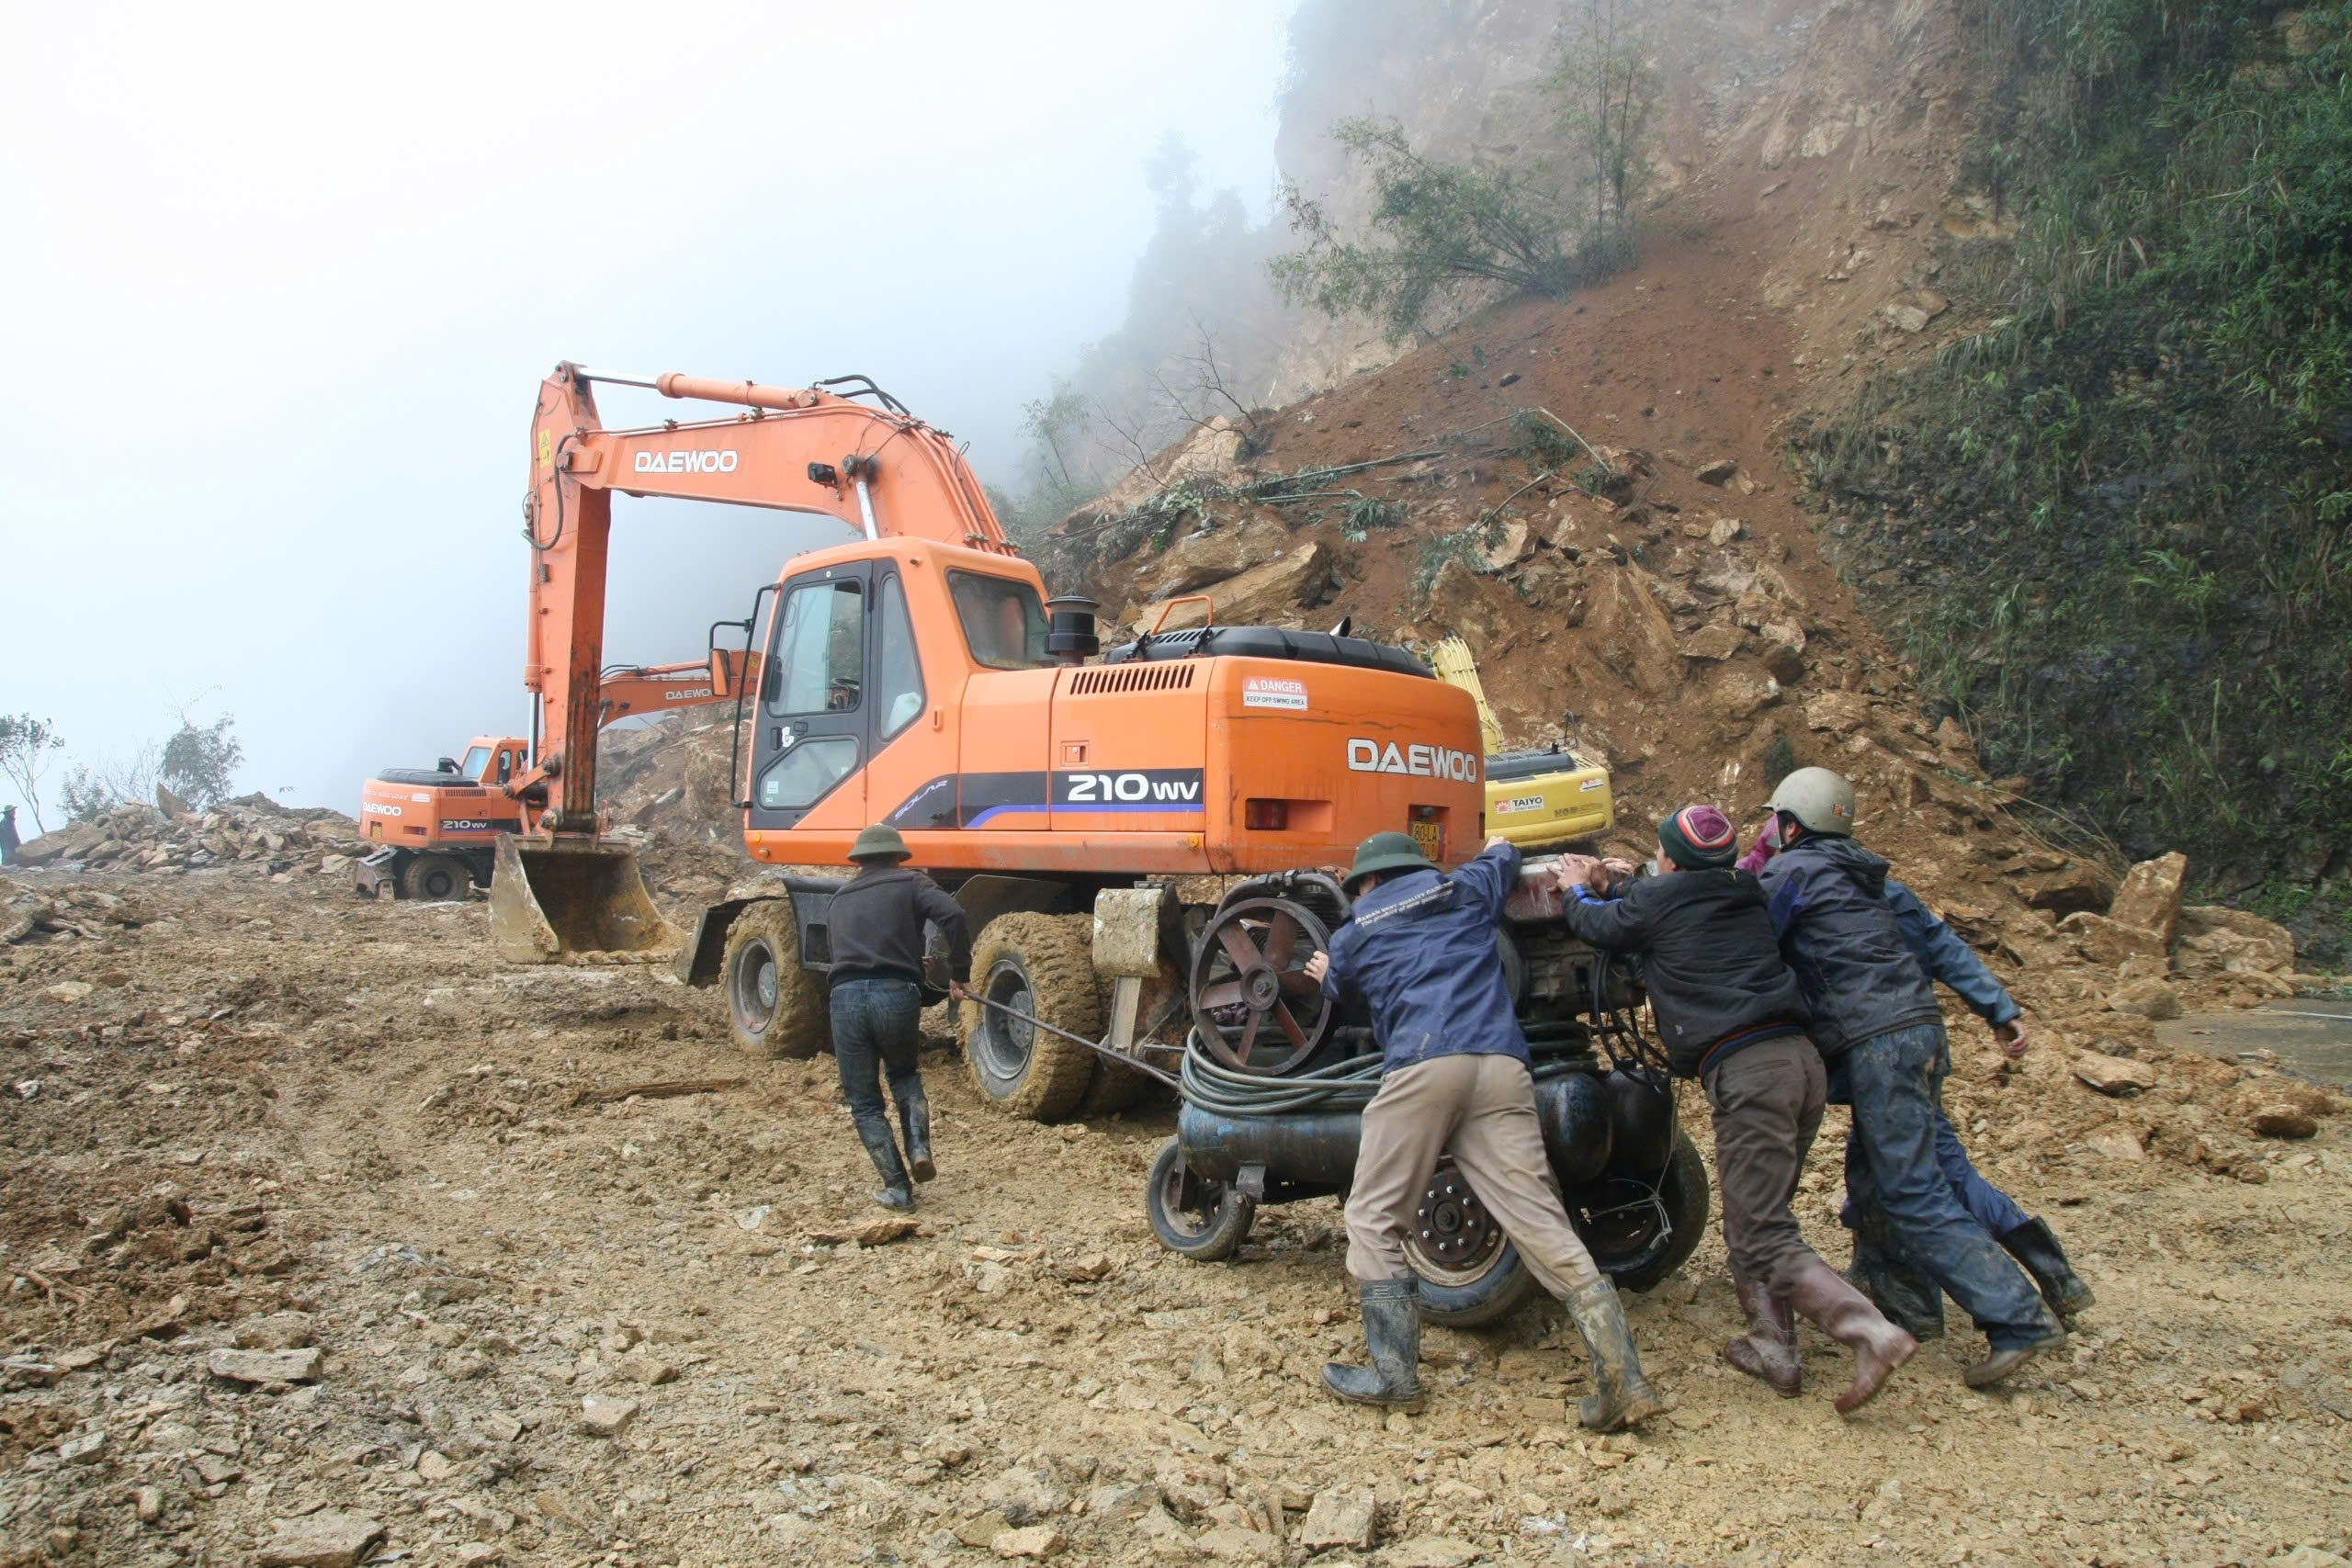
{"x": 1716, "y": 471}
{"x": 1460, "y": 603}
{"x": 2111, "y": 943}
{"x": 1339, "y": 1517}
{"x": 2282, "y": 1122}
{"x": 2117, "y": 1143}
{"x": 172, "y": 805}
{"x": 2113, "y": 1075}
{"x": 2211, "y": 940}
{"x": 2078, "y": 888}
{"x": 1271, "y": 595}
{"x": 1783, "y": 651}
{"x": 1514, "y": 542}
{"x": 1717, "y": 640}
{"x": 1742, "y": 694}
{"x": 1197, "y": 561}
{"x": 320, "y": 1540}
{"x": 266, "y": 1366}
{"x": 1727, "y": 574}
{"x": 2150, "y": 1000}
{"x": 2150, "y": 896}
{"x": 1627, "y": 629}
{"x": 1840, "y": 713}
{"x": 70, "y": 842}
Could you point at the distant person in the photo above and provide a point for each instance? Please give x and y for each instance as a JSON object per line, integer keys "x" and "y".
{"x": 1732, "y": 1016}
{"x": 1420, "y": 949}
{"x": 1878, "y": 1028}
{"x": 8, "y": 839}
{"x": 1898, "y": 1291}
{"x": 874, "y": 994}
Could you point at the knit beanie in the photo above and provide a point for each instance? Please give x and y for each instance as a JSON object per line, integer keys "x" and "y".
{"x": 1699, "y": 838}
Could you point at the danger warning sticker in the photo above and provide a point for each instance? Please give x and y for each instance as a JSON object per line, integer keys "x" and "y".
{"x": 1265, "y": 692}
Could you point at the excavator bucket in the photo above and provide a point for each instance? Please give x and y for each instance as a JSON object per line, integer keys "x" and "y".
{"x": 549, "y": 901}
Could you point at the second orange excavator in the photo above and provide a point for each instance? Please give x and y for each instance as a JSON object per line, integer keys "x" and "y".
{"x": 435, "y": 828}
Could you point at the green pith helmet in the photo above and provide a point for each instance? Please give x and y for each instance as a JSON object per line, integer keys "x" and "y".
{"x": 880, "y": 842}
{"x": 1385, "y": 852}
{"x": 1820, "y": 799}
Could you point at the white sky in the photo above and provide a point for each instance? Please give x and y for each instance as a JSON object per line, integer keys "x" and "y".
{"x": 277, "y": 285}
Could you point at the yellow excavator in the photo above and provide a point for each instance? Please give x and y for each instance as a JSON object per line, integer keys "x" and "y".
{"x": 1534, "y": 798}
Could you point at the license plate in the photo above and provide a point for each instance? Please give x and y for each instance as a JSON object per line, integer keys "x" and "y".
{"x": 1430, "y": 836}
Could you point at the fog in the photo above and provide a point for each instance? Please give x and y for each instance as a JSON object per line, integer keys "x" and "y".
{"x": 279, "y": 285}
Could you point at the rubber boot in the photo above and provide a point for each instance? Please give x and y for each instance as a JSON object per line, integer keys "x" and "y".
{"x": 2001, "y": 1363}
{"x": 914, "y": 1117}
{"x": 1846, "y": 1315}
{"x": 1622, "y": 1396}
{"x": 1392, "y": 1333}
{"x": 884, "y": 1149}
{"x": 1768, "y": 1351}
{"x": 1913, "y": 1302}
{"x": 2032, "y": 1244}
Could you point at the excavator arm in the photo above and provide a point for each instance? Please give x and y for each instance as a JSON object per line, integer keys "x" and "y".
{"x": 633, "y": 691}
{"x": 876, "y": 467}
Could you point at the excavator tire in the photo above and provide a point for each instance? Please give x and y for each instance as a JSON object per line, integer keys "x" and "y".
{"x": 1038, "y": 964}
{"x": 774, "y": 1008}
{"x": 436, "y": 878}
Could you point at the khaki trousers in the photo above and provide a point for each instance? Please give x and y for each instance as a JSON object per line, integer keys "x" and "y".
{"x": 1767, "y": 1099}
{"x": 1480, "y": 1110}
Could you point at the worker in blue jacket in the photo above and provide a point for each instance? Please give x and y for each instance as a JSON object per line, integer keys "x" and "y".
{"x": 1882, "y": 1035}
{"x": 1419, "y": 949}
{"x": 2028, "y": 1239}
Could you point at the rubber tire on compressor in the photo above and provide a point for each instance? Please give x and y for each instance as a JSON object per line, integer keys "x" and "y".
{"x": 794, "y": 1025}
{"x": 435, "y": 879}
{"x": 1216, "y": 1237}
{"x": 1498, "y": 1291}
{"x": 1042, "y": 965}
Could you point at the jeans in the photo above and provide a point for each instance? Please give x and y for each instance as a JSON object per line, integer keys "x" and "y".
{"x": 877, "y": 1025}
{"x": 1992, "y": 1208}
{"x": 1895, "y": 1081}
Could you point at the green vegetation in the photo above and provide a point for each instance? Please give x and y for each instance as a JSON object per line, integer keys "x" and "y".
{"x": 26, "y": 744}
{"x": 2113, "y": 526}
{"x": 1447, "y": 236}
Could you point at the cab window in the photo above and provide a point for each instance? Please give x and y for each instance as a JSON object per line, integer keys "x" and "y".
{"x": 505, "y": 766}
{"x": 1004, "y": 621}
{"x": 818, "y": 654}
{"x": 898, "y": 672}
{"x": 477, "y": 761}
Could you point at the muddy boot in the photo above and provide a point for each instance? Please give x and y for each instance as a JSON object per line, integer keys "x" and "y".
{"x": 2001, "y": 1363}
{"x": 884, "y": 1149}
{"x": 1622, "y": 1396}
{"x": 2032, "y": 1244}
{"x": 1846, "y": 1315}
{"x": 1392, "y": 1333}
{"x": 914, "y": 1117}
{"x": 1768, "y": 1351}
{"x": 1909, "y": 1301}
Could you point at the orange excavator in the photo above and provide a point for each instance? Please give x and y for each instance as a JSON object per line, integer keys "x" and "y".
{"x": 435, "y": 828}
{"x": 918, "y": 674}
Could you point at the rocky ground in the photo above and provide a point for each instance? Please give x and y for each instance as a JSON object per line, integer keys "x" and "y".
{"x": 328, "y": 1239}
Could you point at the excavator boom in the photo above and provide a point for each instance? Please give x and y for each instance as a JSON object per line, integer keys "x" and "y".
{"x": 872, "y": 466}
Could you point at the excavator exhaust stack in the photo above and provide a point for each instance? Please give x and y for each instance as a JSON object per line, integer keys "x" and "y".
{"x": 553, "y": 900}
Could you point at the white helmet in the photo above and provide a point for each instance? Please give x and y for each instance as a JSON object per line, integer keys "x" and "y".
{"x": 1820, "y": 799}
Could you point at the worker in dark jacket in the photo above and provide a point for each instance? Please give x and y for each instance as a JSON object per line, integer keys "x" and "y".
{"x": 1875, "y": 1020}
{"x": 9, "y": 843}
{"x": 874, "y": 994}
{"x": 1732, "y": 1016}
{"x": 1898, "y": 1291}
{"x": 1420, "y": 948}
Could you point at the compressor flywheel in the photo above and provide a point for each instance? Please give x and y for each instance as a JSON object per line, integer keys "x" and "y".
{"x": 1253, "y": 1005}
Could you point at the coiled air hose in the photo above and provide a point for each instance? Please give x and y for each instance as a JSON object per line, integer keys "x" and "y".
{"x": 1342, "y": 1087}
